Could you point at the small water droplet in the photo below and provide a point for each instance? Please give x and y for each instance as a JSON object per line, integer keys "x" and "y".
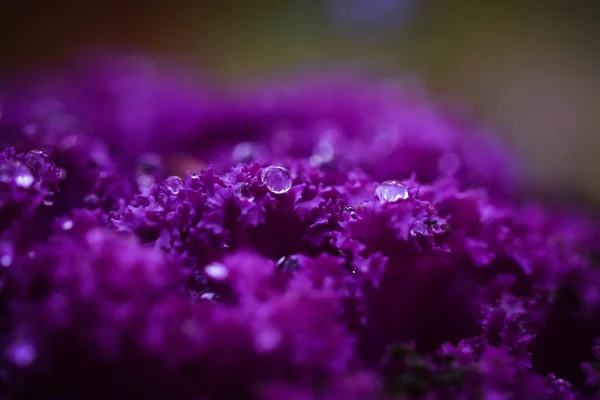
{"x": 277, "y": 179}
{"x": 216, "y": 271}
{"x": 449, "y": 163}
{"x": 17, "y": 173}
{"x": 49, "y": 201}
{"x": 208, "y": 296}
{"x": 419, "y": 228}
{"x": 244, "y": 152}
{"x": 39, "y": 162}
{"x": 245, "y": 191}
{"x": 22, "y": 353}
{"x": 227, "y": 243}
{"x": 194, "y": 175}
{"x": 174, "y": 184}
{"x": 350, "y": 210}
{"x": 67, "y": 224}
{"x": 287, "y": 264}
{"x": 391, "y": 191}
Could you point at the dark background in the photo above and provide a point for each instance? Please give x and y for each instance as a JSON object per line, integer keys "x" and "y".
{"x": 530, "y": 70}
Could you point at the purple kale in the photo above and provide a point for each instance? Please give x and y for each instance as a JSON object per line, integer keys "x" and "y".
{"x": 348, "y": 240}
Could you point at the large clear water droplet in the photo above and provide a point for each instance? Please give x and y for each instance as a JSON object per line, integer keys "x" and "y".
{"x": 277, "y": 179}
{"x": 38, "y": 162}
{"x": 16, "y": 173}
{"x": 391, "y": 191}
{"x": 174, "y": 184}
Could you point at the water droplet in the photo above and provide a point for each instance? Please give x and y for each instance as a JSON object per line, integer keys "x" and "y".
{"x": 22, "y": 354}
{"x": 391, "y": 191}
{"x": 174, "y": 184}
{"x": 49, "y": 201}
{"x": 245, "y": 191}
{"x": 449, "y": 163}
{"x": 286, "y": 264}
{"x": 419, "y": 228}
{"x": 350, "y": 210}
{"x": 216, "y": 271}
{"x": 194, "y": 175}
{"x": 244, "y": 152}
{"x": 277, "y": 179}
{"x": 208, "y": 296}
{"x": 67, "y": 224}
{"x": 17, "y": 173}
{"x": 39, "y": 163}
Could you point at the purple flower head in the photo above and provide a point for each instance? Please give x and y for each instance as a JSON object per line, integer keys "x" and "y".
{"x": 348, "y": 241}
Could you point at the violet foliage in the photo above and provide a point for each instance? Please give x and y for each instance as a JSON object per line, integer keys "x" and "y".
{"x": 348, "y": 241}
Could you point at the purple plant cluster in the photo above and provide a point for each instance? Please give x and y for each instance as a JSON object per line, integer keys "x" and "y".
{"x": 330, "y": 239}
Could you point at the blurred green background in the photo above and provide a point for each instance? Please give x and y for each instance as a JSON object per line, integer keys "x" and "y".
{"x": 527, "y": 69}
